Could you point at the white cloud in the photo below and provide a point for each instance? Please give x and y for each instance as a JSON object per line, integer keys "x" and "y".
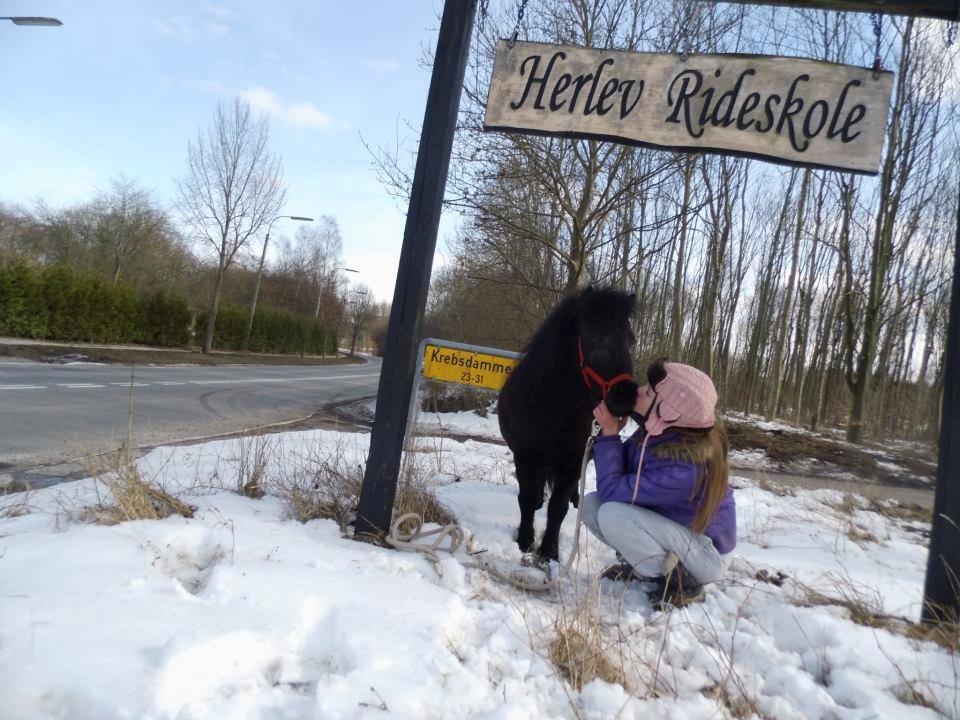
{"x": 301, "y": 114}
{"x": 221, "y": 11}
{"x": 175, "y": 26}
{"x": 217, "y": 29}
{"x": 382, "y": 67}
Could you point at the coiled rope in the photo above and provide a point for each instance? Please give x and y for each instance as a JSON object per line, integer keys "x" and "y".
{"x": 411, "y": 539}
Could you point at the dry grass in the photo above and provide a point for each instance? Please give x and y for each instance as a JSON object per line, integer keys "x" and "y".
{"x": 15, "y": 507}
{"x": 737, "y": 706}
{"x": 867, "y": 611}
{"x": 944, "y": 634}
{"x": 776, "y": 488}
{"x": 132, "y": 498}
{"x": 579, "y": 649}
{"x": 847, "y": 509}
{"x": 324, "y": 485}
{"x": 254, "y": 453}
{"x": 861, "y": 536}
{"x": 911, "y": 512}
{"x": 785, "y": 448}
{"x": 909, "y": 693}
{"x": 863, "y": 609}
{"x": 847, "y": 506}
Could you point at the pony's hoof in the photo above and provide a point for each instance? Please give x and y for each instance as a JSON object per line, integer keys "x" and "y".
{"x": 548, "y": 553}
{"x": 524, "y": 541}
{"x": 533, "y": 560}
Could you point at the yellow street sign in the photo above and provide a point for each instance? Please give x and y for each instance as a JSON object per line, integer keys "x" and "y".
{"x": 465, "y": 367}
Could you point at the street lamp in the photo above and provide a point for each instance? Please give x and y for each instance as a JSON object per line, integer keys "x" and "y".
{"x": 36, "y": 21}
{"x": 263, "y": 256}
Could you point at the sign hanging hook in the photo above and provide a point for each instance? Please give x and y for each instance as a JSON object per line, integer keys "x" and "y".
{"x": 684, "y": 41}
{"x": 877, "y": 19}
{"x": 484, "y": 11}
{"x": 516, "y": 30}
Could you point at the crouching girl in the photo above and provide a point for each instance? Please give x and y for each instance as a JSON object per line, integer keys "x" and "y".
{"x": 663, "y": 500}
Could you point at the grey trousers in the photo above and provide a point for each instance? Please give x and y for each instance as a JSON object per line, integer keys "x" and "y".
{"x": 644, "y": 537}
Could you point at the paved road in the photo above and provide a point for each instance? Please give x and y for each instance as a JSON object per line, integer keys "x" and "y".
{"x": 51, "y": 413}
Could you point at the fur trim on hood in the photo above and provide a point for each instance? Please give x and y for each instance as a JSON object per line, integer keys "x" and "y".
{"x": 688, "y": 447}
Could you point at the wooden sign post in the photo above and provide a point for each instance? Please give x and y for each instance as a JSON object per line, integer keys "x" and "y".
{"x": 788, "y": 110}
{"x": 379, "y": 489}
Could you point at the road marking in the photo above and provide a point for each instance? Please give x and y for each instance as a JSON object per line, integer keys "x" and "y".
{"x": 353, "y": 378}
{"x": 310, "y": 378}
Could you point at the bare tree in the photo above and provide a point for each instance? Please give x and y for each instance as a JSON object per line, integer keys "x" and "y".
{"x": 127, "y": 220}
{"x": 233, "y": 187}
{"x": 361, "y": 310}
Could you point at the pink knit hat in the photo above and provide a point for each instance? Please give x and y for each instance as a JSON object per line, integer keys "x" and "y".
{"x": 685, "y": 398}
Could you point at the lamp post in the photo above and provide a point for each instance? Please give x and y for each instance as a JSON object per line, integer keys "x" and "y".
{"x": 359, "y": 310}
{"x": 316, "y": 310}
{"x": 35, "y": 21}
{"x": 263, "y": 256}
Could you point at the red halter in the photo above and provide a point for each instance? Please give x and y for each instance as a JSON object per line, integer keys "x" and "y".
{"x": 590, "y": 374}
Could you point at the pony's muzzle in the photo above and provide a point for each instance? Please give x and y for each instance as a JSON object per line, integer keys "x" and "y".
{"x": 621, "y": 398}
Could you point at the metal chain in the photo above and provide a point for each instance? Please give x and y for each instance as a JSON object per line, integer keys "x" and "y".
{"x": 877, "y": 19}
{"x": 484, "y": 10}
{"x": 684, "y": 41}
{"x": 516, "y": 30}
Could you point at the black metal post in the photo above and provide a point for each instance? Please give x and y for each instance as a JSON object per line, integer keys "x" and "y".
{"x": 416, "y": 261}
{"x": 942, "y": 588}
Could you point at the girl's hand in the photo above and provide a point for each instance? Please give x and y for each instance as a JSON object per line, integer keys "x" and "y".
{"x": 609, "y": 425}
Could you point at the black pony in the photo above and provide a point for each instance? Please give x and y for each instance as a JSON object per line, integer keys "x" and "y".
{"x": 546, "y": 406}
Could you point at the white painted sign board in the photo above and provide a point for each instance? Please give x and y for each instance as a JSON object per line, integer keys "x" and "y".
{"x": 790, "y": 110}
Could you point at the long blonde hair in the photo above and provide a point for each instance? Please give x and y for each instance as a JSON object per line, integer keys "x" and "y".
{"x": 708, "y": 449}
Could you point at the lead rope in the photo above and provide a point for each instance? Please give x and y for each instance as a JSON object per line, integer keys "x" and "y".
{"x": 407, "y": 540}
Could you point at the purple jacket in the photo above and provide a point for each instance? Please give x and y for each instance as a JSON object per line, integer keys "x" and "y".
{"x": 666, "y": 484}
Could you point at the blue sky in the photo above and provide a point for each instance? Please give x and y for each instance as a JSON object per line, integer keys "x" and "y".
{"x": 122, "y": 86}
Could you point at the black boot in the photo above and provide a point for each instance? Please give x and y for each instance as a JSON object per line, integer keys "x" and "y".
{"x": 677, "y": 589}
{"x": 620, "y": 571}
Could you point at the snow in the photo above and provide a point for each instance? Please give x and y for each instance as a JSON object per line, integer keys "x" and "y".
{"x": 241, "y": 612}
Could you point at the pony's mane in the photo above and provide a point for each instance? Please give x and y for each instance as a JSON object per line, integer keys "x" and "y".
{"x": 552, "y": 348}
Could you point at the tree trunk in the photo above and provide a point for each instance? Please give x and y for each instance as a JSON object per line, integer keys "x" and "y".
{"x": 824, "y": 355}
{"x": 676, "y": 321}
{"x": 859, "y": 374}
{"x": 214, "y": 305}
{"x": 776, "y": 381}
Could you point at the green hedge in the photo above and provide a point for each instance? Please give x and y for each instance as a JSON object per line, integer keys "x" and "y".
{"x": 59, "y": 303}
{"x": 274, "y": 331}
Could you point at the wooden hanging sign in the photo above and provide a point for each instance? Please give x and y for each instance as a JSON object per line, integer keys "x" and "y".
{"x": 942, "y": 9}
{"x": 789, "y": 110}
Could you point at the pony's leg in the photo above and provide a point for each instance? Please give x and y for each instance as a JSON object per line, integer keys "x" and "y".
{"x": 530, "y": 498}
{"x": 565, "y": 486}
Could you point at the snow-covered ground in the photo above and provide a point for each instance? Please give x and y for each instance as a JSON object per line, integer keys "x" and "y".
{"x": 241, "y": 612}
